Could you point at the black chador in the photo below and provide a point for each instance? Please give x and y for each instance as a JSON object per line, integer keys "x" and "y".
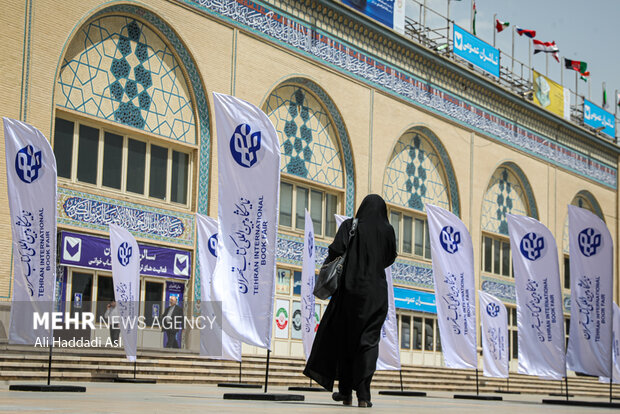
{"x": 346, "y": 346}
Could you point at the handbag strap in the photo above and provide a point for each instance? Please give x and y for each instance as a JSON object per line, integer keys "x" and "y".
{"x": 351, "y": 234}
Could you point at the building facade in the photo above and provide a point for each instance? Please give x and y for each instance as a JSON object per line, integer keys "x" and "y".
{"x": 122, "y": 90}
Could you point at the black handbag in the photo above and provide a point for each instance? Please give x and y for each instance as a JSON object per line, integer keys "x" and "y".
{"x": 329, "y": 275}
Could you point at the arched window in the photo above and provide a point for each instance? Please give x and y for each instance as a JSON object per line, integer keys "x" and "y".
{"x": 419, "y": 172}
{"x": 125, "y": 121}
{"x": 313, "y": 173}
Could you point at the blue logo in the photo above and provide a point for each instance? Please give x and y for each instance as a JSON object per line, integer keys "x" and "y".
{"x": 532, "y": 246}
{"x": 493, "y": 309}
{"x": 124, "y": 253}
{"x": 27, "y": 164}
{"x": 589, "y": 241}
{"x": 310, "y": 245}
{"x": 244, "y": 145}
{"x": 450, "y": 239}
{"x": 212, "y": 245}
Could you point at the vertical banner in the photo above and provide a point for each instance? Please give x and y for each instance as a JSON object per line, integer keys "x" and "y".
{"x": 214, "y": 343}
{"x": 389, "y": 353}
{"x": 591, "y": 269}
{"x": 453, "y": 273}
{"x": 615, "y": 348}
{"x": 248, "y": 153}
{"x": 540, "y": 320}
{"x": 307, "y": 287}
{"x": 494, "y": 325}
{"x": 126, "y": 278}
{"x": 31, "y": 187}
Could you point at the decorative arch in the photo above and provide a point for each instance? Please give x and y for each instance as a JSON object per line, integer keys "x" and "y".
{"x": 583, "y": 199}
{"x": 314, "y": 141}
{"x": 125, "y": 64}
{"x": 508, "y": 192}
{"x": 420, "y": 172}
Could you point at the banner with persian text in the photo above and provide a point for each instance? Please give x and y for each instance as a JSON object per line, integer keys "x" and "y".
{"x": 494, "y": 325}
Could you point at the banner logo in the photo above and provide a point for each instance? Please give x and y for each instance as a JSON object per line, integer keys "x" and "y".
{"x": 244, "y": 145}
{"x": 589, "y": 241}
{"x": 310, "y": 245}
{"x": 73, "y": 249}
{"x": 450, "y": 239}
{"x": 212, "y": 245}
{"x": 532, "y": 246}
{"x": 124, "y": 253}
{"x": 27, "y": 164}
{"x": 282, "y": 318}
{"x": 493, "y": 309}
{"x": 181, "y": 265}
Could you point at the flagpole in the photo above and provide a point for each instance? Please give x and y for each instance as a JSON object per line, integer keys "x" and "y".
{"x": 471, "y": 17}
{"x": 589, "y": 91}
{"x": 513, "y": 51}
{"x": 576, "y": 89}
{"x": 561, "y": 71}
{"x": 547, "y": 64}
{"x": 494, "y": 28}
{"x": 529, "y": 57}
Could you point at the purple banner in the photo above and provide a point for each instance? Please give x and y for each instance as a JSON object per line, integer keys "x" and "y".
{"x": 94, "y": 253}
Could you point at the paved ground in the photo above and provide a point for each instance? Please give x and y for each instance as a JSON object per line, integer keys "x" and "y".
{"x": 176, "y": 399}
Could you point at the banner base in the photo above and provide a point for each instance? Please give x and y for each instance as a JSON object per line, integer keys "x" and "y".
{"x": 264, "y": 397}
{"x": 136, "y": 380}
{"x": 583, "y": 403}
{"x": 403, "y": 393}
{"x": 47, "y": 388}
{"x": 478, "y": 397}
{"x": 310, "y": 389}
{"x": 559, "y": 394}
{"x": 238, "y": 385}
{"x": 506, "y": 392}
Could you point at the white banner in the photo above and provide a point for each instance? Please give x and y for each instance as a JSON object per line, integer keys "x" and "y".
{"x": 214, "y": 343}
{"x": 248, "y": 153}
{"x": 591, "y": 270}
{"x": 307, "y": 287}
{"x": 494, "y": 325}
{"x": 31, "y": 187}
{"x": 540, "y": 320}
{"x": 455, "y": 294}
{"x": 389, "y": 353}
{"x": 615, "y": 347}
{"x": 126, "y": 278}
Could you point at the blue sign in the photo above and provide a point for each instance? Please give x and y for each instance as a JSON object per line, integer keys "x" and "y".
{"x": 475, "y": 51}
{"x": 597, "y": 117}
{"x": 414, "y": 300}
{"x": 389, "y": 12}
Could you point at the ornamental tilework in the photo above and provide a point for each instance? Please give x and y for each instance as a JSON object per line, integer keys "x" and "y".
{"x": 311, "y": 41}
{"x": 414, "y": 175}
{"x": 308, "y": 141}
{"x": 586, "y": 201}
{"x": 118, "y": 69}
{"x": 505, "y": 195}
{"x": 502, "y": 290}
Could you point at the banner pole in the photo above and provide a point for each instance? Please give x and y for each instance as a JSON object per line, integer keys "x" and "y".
{"x": 401, "y": 380}
{"x": 267, "y": 370}
{"x": 49, "y": 362}
{"x": 566, "y": 381}
{"x": 508, "y": 383}
{"x": 239, "y": 372}
{"x": 494, "y": 29}
{"x": 477, "y": 390}
{"x": 135, "y": 362}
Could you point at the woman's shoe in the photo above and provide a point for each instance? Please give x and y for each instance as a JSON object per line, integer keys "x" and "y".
{"x": 364, "y": 404}
{"x": 346, "y": 399}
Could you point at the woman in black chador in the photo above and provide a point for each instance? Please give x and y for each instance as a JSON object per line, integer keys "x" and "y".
{"x": 346, "y": 346}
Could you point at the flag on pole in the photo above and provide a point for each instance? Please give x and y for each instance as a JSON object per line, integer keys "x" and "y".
{"x": 474, "y": 18}
{"x": 605, "y": 104}
{"x": 547, "y": 47}
{"x": 578, "y": 66}
{"x": 453, "y": 274}
{"x": 540, "y": 319}
{"x": 249, "y": 190}
{"x": 500, "y": 26}
{"x": 591, "y": 267}
{"x": 529, "y": 33}
{"x": 31, "y": 188}
{"x": 308, "y": 273}
{"x": 389, "y": 352}
{"x": 214, "y": 342}
{"x": 126, "y": 279}
{"x": 494, "y": 325}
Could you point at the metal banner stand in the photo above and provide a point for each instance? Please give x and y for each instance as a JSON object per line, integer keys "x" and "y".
{"x": 135, "y": 380}
{"x": 507, "y": 390}
{"x": 402, "y": 392}
{"x": 309, "y": 388}
{"x": 581, "y": 403}
{"x": 48, "y": 387}
{"x": 238, "y": 384}
{"x": 264, "y": 396}
{"x": 478, "y": 396}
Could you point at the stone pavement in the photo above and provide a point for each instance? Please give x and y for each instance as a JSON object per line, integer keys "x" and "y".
{"x": 191, "y": 398}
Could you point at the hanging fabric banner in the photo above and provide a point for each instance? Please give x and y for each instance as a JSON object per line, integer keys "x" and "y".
{"x": 248, "y": 199}
{"x": 615, "y": 348}
{"x": 591, "y": 268}
{"x": 31, "y": 187}
{"x": 453, "y": 273}
{"x": 214, "y": 342}
{"x": 308, "y": 323}
{"x": 126, "y": 279}
{"x": 389, "y": 353}
{"x": 540, "y": 320}
{"x": 494, "y": 325}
